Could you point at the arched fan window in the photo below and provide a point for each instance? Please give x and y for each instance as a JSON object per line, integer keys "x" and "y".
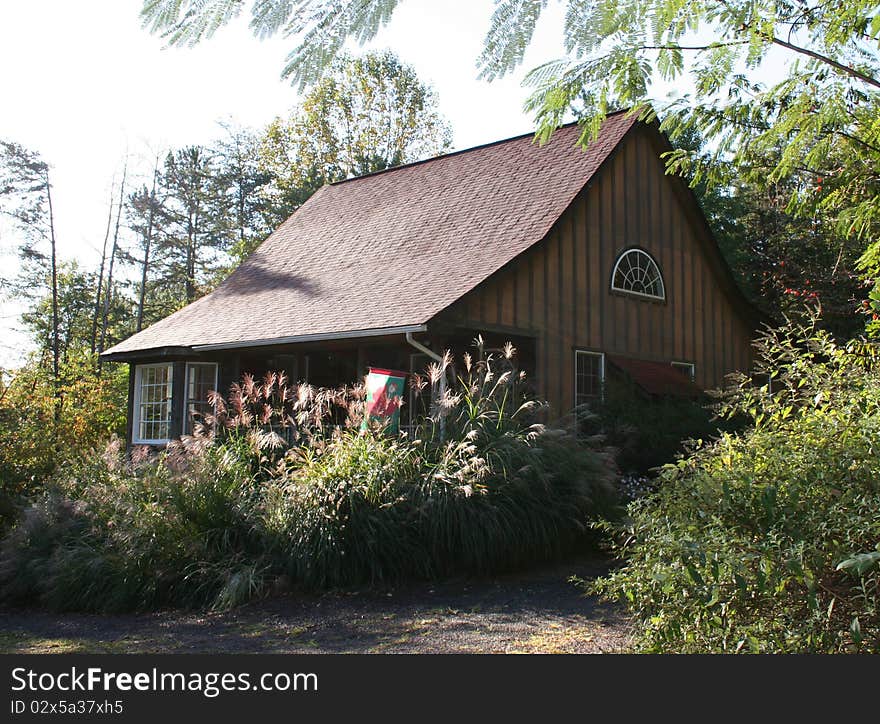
{"x": 637, "y": 273}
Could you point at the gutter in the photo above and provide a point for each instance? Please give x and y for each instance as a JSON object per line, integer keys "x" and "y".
{"x": 321, "y": 336}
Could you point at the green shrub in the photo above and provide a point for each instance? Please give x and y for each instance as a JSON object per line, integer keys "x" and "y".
{"x": 33, "y": 443}
{"x": 648, "y": 431}
{"x": 766, "y": 541}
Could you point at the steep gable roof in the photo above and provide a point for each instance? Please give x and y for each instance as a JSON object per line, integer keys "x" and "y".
{"x": 394, "y": 248}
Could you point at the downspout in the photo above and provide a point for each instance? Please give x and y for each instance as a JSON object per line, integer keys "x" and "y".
{"x": 442, "y": 383}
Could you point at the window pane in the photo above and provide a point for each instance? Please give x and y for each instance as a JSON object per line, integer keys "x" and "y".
{"x": 153, "y": 412}
{"x": 686, "y": 368}
{"x": 201, "y": 380}
{"x": 588, "y": 376}
{"x": 636, "y": 272}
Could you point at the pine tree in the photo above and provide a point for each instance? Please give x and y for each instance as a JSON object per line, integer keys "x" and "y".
{"x": 26, "y": 198}
{"x": 193, "y": 231}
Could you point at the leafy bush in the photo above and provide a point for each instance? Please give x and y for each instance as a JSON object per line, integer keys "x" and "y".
{"x": 649, "y": 431}
{"x": 270, "y": 490}
{"x": 32, "y": 443}
{"x": 767, "y": 541}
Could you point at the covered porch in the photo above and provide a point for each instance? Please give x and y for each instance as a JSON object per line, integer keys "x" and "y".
{"x": 169, "y": 389}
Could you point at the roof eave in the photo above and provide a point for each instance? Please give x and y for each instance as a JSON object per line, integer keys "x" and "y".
{"x": 197, "y": 349}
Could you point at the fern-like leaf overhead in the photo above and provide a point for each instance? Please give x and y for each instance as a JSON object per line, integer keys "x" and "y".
{"x": 511, "y": 30}
{"x": 186, "y": 22}
{"x": 320, "y": 27}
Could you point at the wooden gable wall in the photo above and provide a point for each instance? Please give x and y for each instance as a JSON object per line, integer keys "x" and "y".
{"x": 559, "y": 290}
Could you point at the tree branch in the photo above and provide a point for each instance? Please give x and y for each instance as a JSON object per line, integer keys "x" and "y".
{"x": 708, "y": 46}
{"x": 824, "y": 59}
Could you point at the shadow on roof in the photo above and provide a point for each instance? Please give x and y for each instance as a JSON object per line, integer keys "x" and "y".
{"x": 254, "y": 277}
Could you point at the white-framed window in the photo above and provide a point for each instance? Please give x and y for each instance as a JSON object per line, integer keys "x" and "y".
{"x": 635, "y": 272}
{"x": 152, "y": 404}
{"x": 589, "y": 376}
{"x": 201, "y": 379}
{"x": 687, "y": 368}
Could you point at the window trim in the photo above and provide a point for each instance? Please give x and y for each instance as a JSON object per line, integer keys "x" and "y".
{"x": 630, "y": 292}
{"x": 690, "y": 366}
{"x": 189, "y": 366}
{"x": 136, "y": 404}
{"x": 602, "y": 368}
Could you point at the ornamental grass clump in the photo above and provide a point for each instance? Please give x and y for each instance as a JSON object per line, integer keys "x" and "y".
{"x": 282, "y": 486}
{"x": 104, "y": 538}
{"x": 502, "y": 489}
{"x": 767, "y": 541}
{"x": 346, "y": 514}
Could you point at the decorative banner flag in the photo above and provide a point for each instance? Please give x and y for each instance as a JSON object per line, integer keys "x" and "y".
{"x": 384, "y": 397}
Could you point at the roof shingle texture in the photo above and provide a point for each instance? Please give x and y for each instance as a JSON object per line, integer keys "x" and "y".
{"x": 393, "y": 248}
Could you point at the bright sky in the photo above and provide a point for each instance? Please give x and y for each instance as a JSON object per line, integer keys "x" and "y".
{"x": 83, "y": 84}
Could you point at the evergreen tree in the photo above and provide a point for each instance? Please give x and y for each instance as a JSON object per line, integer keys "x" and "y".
{"x": 193, "y": 231}
{"x": 144, "y": 212}
{"x": 26, "y": 198}
{"x": 242, "y": 181}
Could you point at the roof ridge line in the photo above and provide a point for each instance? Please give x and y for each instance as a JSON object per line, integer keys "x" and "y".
{"x": 470, "y": 149}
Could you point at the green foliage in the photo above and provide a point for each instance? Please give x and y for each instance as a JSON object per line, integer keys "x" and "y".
{"x": 345, "y": 514}
{"x": 766, "y": 541}
{"x": 107, "y": 540}
{"x": 76, "y": 307}
{"x": 33, "y": 442}
{"x": 323, "y": 25}
{"x": 271, "y": 490}
{"x": 366, "y": 114}
{"x": 780, "y": 259}
{"x": 648, "y": 431}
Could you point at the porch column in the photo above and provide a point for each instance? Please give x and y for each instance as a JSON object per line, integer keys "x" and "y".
{"x": 129, "y": 417}
{"x": 178, "y": 399}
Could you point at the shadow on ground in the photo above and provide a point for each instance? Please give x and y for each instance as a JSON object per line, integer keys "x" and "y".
{"x": 536, "y": 611}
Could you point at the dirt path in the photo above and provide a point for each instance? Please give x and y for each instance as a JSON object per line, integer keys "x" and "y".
{"x": 532, "y": 612}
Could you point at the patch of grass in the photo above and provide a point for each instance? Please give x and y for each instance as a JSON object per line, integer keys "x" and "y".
{"x": 23, "y": 642}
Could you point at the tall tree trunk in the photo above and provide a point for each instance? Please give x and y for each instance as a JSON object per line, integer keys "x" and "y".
{"x": 100, "y": 285}
{"x": 191, "y": 257}
{"x": 242, "y": 194}
{"x": 148, "y": 242}
{"x": 56, "y": 342}
{"x": 106, "y": 317}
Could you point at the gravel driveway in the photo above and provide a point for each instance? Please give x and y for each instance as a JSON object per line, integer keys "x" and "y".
{"x": 536, "y": 611}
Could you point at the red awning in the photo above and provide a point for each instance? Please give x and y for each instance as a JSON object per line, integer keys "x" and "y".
{"x": 657, "y": 378}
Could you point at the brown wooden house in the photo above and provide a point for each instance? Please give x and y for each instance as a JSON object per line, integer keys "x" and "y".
{"x": 591, "y": 261}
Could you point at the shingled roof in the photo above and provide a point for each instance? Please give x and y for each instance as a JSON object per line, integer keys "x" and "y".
{"x": 391, "y": 249}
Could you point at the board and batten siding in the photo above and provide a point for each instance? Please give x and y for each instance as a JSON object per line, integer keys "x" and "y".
{"x": 559, "y": 290}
